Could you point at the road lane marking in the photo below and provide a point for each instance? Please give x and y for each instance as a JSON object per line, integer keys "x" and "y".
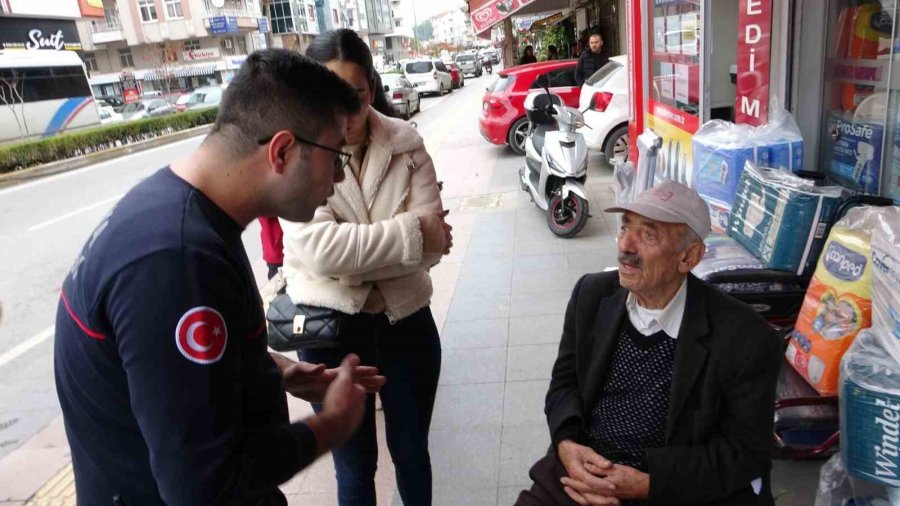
{"x": 21, "y": 348}
{"x": 75, "y": 172}
{"x": 73, "y": 213}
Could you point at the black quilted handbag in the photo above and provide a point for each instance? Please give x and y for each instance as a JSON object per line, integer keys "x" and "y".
{"x": 302, "y": 327}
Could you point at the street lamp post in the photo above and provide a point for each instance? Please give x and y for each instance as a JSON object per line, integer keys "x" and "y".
{"x": 415, "y": 27}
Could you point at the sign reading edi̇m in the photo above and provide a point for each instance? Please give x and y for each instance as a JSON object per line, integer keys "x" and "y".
{"x": 754, "y": 48}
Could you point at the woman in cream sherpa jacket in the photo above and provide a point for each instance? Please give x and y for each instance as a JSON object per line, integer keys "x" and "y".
{"x": 363, "y": 254}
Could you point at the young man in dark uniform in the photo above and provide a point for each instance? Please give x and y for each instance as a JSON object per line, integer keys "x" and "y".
{"x": 168, "y": 393}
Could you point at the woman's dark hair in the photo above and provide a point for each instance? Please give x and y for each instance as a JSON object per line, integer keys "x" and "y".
{"x": 346, "y": 45}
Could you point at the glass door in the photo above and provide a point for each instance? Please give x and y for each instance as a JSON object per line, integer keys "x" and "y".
{"x": 860, "y": 106}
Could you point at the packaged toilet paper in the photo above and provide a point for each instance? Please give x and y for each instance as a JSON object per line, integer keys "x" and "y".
{"x": 838, "y": 302}
{"x": 870, "y": 410}
{"x": 886, "y": 279}
{"x": 781, "y": 218}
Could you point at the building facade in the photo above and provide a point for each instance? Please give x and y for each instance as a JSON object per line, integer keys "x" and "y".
{"x": 452, "y": 27}
{"x": 170, "y": 46}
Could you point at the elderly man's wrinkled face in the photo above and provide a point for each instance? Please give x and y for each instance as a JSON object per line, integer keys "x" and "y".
{"x": 652, "y": 257}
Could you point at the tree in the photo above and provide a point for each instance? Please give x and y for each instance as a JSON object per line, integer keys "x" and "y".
{"x": 12, "y": 91}
{"x": 425, "y": 30}
{"x": 164, "y": 60}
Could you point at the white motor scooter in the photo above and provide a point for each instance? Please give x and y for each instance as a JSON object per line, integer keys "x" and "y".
{"x": 556, "y": 161}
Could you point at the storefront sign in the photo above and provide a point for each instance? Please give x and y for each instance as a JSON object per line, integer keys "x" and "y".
{"x": 131, "y": 92}
{"x": 263, "y": 24}
{"x": 754, "y": 49}
{"x": 201, "y": 54}
{"x": 235, "y": 62}
{"x": 223, "y": 24}
{"x": 24, "y": 33}
{"x": 491, "y": 12}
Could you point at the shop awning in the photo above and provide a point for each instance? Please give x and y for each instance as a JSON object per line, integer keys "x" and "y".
{"x": 487, "y": 13}
{"x": 193, "y": 70}
{"x": 551, "y": 20}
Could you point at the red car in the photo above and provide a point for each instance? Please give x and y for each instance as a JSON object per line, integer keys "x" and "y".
{"x": 457, "y": 78}
{"x": 503, "y": 119}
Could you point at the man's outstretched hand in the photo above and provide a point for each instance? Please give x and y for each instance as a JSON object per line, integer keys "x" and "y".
{"x": 310, "y": 381}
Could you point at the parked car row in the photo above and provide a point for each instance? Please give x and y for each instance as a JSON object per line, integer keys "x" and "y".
{"x": 603, "y": 99}
{"x": 153, "y": 104}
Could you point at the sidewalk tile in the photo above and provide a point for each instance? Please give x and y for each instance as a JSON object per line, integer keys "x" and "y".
{"x": 525, "y": 330}
{"x": 520, "y": 448}
{"x": 459, "y": 496}
{"x": 531, "y": 247}
{"x": 473, "y": 365}
{"x": 523, "y": 403}
{"x": 549, "y": 302}
{"x": 478, "y": 308}
{"x": 530, "y": 362}
{"x": 459, "y": 407}
{"x": 464, "y": 459}
{"x": 475, "y": 333}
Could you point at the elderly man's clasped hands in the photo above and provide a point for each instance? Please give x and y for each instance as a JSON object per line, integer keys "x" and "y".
{"x": 594, "y": 480}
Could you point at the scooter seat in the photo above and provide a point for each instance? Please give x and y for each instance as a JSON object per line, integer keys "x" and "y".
{"x": 538, "y": 135}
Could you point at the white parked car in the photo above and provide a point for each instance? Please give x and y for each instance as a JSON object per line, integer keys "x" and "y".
{"x": 604, "y": 98}
{"x": 429, "y": 76}
{"x": 401, "y": 94}
{"x": 108, "y": 115}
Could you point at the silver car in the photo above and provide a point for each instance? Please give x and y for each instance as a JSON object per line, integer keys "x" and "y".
{"x": 469, "y": 64}
{"x": 401, "y": 94}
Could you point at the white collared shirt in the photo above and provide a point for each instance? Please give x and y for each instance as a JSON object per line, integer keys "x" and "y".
{"x": 667, "y": 319}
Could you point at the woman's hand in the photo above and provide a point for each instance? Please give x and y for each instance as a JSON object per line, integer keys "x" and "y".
{"x": 310, "y": 381}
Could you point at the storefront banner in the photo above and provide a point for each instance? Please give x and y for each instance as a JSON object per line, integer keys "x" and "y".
{"x": 131, "y": 92}
{"x": 200, "y": 54}
{"x": 223, "y": 24}
{"x": 856, "y": 150}
{"x": 754, "y": 49}
{"x": 635, "y": 64}
{"x": 492, "y": 12}
{"x": 26, "y": 33}
{"x": 263, "y": 24}
{"x": 677, "y": 128}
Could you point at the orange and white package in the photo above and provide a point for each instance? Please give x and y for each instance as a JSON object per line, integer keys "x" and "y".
{"x": 837, "y": 306}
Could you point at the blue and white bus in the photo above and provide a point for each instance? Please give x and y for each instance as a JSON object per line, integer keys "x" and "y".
{"x": 42, "y": 93}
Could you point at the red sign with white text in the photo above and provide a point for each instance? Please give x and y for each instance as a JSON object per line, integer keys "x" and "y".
{"x": 753, "y": 62}
{"x": 492, "y": 12}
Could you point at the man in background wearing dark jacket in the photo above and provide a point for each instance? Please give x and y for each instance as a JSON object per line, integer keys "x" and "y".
{"x": 591, "y": 60}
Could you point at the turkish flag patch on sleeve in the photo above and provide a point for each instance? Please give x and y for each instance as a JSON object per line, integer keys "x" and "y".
{"x": 201, "y": 335}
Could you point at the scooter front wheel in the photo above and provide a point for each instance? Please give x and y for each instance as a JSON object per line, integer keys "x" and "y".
{"x": 566, "y": 217}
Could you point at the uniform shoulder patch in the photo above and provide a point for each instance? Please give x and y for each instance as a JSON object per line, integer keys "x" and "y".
{"x": 201, "y": 335}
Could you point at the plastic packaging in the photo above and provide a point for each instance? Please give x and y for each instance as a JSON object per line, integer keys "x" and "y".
{"x": 886, "y": 279}
{"x": 802, "y": 426}
{"x": 721, "y": 150}
{"x": 724, "y": 253}
{"x": 782, "y": 218}
{"x": 870, "y": 410}
{"x": 837, "y": 488}
{"x": 838, "y": 302}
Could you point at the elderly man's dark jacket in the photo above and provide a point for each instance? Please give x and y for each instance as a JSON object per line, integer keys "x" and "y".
{"x": 720, "y": 418}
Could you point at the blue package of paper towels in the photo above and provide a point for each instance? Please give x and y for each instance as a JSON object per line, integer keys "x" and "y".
{"x": 870, "y": 410}
{"x": 781, "y": 218}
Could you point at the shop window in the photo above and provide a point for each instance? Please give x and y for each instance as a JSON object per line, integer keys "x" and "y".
{"x": 192, "y": 44}
{"x": 675, "y": 56}
{"x": 148, "y": 10}
{"x": 861, "y": 103}
{"x": 282, "y": 16}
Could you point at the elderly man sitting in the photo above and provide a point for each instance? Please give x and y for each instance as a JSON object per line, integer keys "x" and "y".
{"x": 663, "y": 391}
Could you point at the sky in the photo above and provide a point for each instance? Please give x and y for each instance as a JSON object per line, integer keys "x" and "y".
{"x": 427, "y": 8}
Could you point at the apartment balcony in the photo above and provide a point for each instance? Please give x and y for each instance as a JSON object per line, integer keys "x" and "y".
{"x": 245, "y": 14}
{"x": 106, "y": 31}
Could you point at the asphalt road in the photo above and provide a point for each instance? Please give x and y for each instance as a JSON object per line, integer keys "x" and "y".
{"x": 44, "y": 224}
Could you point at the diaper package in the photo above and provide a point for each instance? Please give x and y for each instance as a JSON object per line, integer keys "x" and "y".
{"x": 724, "y": 253}
{"x": 855, "y": 159}
{"x": 721, "y": 150}
{"x": 838, "y": 302}
{"x": 781, "y": 218}
{"x": 886, "y": 279}
{"x": 837, "y": 488}
{"x": 870, "y": 410}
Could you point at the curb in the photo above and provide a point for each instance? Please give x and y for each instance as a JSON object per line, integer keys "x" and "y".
{"x": 48, "y": 169}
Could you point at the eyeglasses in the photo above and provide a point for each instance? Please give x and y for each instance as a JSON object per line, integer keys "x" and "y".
{"x": 341, "y": 159}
